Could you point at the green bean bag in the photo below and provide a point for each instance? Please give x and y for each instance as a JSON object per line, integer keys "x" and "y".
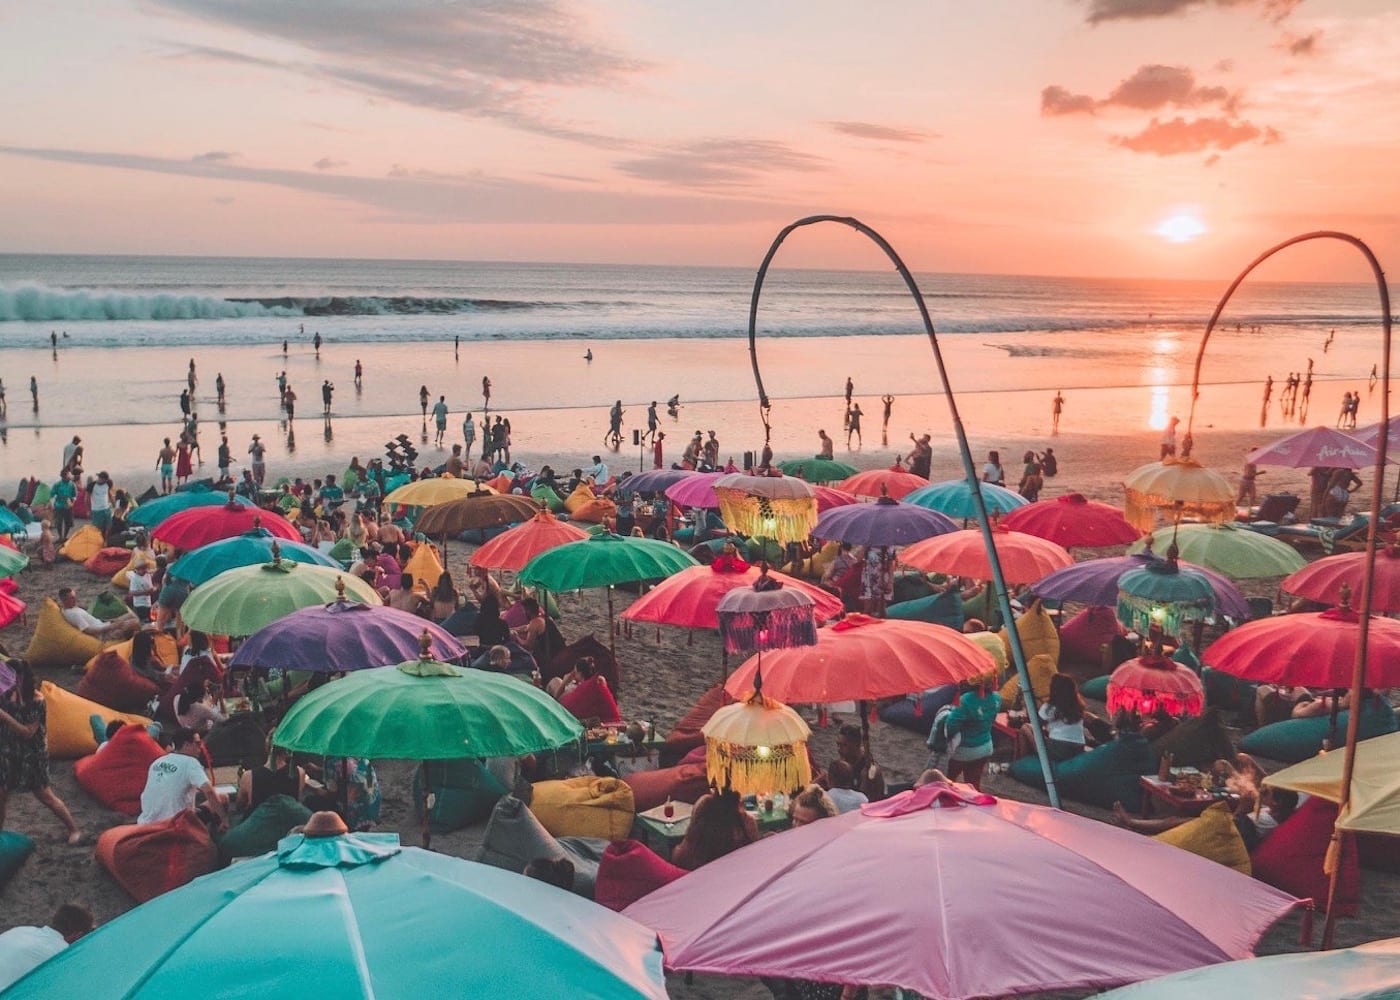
{"x": 1295, "y": 740}
{"x": 1100, "y": 777}
{"x": 262, "y": 828}
{"x": 1187, "y": 657}
{"x": 546, "y": 495}
{"x": 107, "y": 606}
{"x": 1227, "y": 691}
{"x": 1197, "y": 742}
{"x": 939, "y": 609}
{"x": 1095, "y": 688}
{"x": 916, "y": 712}
{"x": 910, "y": 586}
{"x": 343, "y": 550}
{"x": 464, "y": 792}
{"x": 14, "y": 849}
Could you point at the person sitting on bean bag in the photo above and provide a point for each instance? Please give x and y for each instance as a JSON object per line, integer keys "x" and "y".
{"x": 585, "y": 693}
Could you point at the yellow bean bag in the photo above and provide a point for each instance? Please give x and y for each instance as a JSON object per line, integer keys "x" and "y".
{"x": 424, "y": 565}
{"x": 83, "y": 544}
{"x": 580, "y": 496}
{"x": 70, "y": 731}
{"x": 821, "y": 560}
{"x": 992, "y": 643}
{"x": 120, "y": 579}
{"x": 596, "y": 511}
{"x": 58, "y": 644}
{"x": 167, "y": 651}
{"x": 1038, "y": 634}
{"x": 1041, "y": 668}
{"x": 1212, "y": 835}
{"x": 584, "y": 807}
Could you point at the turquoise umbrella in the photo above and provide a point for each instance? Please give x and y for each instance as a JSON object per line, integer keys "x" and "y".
{"x": 954, "y": 498}
{"x": 11, "y": 562}
{"x": 354, "y": 916}
{"x": 152, "y": 512}
{"x": 10, "y": 523}
{"x": 248, "y": 549}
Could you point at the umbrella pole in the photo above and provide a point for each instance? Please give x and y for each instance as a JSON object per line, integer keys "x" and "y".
{"x": 427, "y": 804}
{"x": 612, "y": 632}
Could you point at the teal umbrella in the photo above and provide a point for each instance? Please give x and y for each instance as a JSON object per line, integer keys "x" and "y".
{"x": 240, "y": 601}
{"x": 248, "y": 549}
{"x": 355, "y": 916}
{"x": 954, "y": 498}
{"x": 10, "y": 523}
{"x": 11, "y": 562}
{"x": 152, "y": 512}
{"x": 818, "y": 470}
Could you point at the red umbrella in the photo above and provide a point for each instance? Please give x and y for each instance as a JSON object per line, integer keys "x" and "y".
{"x": 1149, "y": 683}
{"x": 829, "y": 497}
{"x": 882, "y": 482}
{"x": 1309, "y": 650}
{"x": 1072, "y": 521}
{"x": 688, "y": 599}
{"x": 187, "y": 530}
{"x": 1337, "y": 579}
{"x": 512, "y": 549}
{"x": 1024, "y": 558}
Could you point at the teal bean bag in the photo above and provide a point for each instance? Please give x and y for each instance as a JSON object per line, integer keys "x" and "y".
{"x": 14, "y": 848}
{"x": 758, "y": 549}
{"x": 107, "y": 606}
{"x": 262, "y": 828}
{"x": 464, "y": 792}
{"x": 910, "y": 586}
{"x": 343, "y": 551}
{"x": 1294, "y": 740}
{"x": 1187, "y": 657}
{"x": 1197, "y": 742}
{"x": 1095, "y": 688}
{"x": 1226, "y": 691}
{"x": 916, "y": 713}
{"x": 1100, "y": 777}
{"x": 940, "y": 609}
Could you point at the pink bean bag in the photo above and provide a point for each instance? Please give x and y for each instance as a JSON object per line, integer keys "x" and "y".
{"x": 686, "y": 735}
{"x": 1082, "y": 637}
{"x": 108, "y": 561}
{"x": 117, "y": 776}
{"x": 682, "y": 783}
{"x": 1291, "y": 858}
{"x": 592, "y": 700}
{"x": 630, "y": 870}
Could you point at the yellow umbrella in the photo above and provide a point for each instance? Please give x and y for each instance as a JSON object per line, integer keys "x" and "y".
{"x": 431, "y": 492}
{"x": 1185, "y": 486}
{"x": 1375, "y": 784}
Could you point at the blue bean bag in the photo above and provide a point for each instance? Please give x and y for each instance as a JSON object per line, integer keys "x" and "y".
{"x": 463, "y": 620}
{"x": 464, "y": 792}
{"x": 262, "y": 828}
{"x": 1095, "y": 688}
{"x": 1226, "y": 691}
{"x": 1197, "y": 742}
{"x": 910, "y": 586}
{"x": 14, "y": 848}
{"x": 1187, "y": 657}
{"x": 916, "y": 714}
{"x": 1100, "y": 777}
{"x": 1294, "y": 740}
{"x": 940, "y": 609}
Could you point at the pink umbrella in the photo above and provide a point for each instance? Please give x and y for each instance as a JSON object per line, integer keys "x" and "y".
{"x": 1072, "y": 521}
{"x": 882, "y": 482}
{"x": 696, "y": 491}
{"x": 829, "y": 497}
{"x": 688, "y": 599}
{"x": 1024, "y": 558}
{"x": 950, "y": 902}
{"x": 1316, "y": 446}
{"x": 1337, "y": 580}
{"x": 1153, "y": 682}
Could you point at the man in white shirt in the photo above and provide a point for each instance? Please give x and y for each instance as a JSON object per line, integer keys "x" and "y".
{"x": 598, "y": 471}
{"x": 174, "y": 781}
{"x": 842, "y": 776}
{"x": 100, "y": 492}
{"x": 85, "y": 621}
{"x": 23, "y": 949}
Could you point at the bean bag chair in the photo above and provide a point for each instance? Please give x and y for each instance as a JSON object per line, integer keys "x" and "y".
{"x": 910, "y": 585}
{"x": 153, "y": 858}
{"x": 592, "y": 700}
{"x": 117, "y": 776}
{"x": 916, "y": 712}
{"x": 821, "y": 560}
{"x": 107, "y": 606}
{"x": 111, "y": 681}
{"x": 514, "y": 837}
{"x": 15, "y": 847}
{"x": 464, "y": 792}
{"x": 55, "y": 643}
{"x": 82, "y": 544}
{"x": 1101, "y": 777}
{"x": 564, "y": 661}
{"x": 1295, "y": 740}
{"x": 939, "y": 609}
{"x": 992, "y": 643}
{"x": 1038, "y": 634}
{"x": 343, "y": 551}
{"x": 69, "y": 731}
{"x": 630, "y": 870}
{"x": 502, "y": 484}
{"x": 1227, "y": 691}
{"x": 1197, "y": 742}
{"x": 1187, "y": 657}
{"x": 1083, "y": 636}
{"x": 584, "y": 807}
{"x": 1211, "y": 835}
{"x": 1041, "y": 667}
{"x": 984, "y": 606}
{"x": 580, "y": 496}
{"x": 1096, "y": 688}
{"x": 262, "y": 828}
{"x": 686, "y": 735}
{"x": 1291, "y": 858}
{"x": 424, "y": 565}
{"x": 11, "y": 609}
{"x": 166, "y": 648}
{"x": 682, "y": 783}
{"x": 545, "y": 494}
{"x": 105, "y": 562}
{"x": 463, "y": 620}
{"x": 240, "y": 740}
{"x": 595, "y": 511}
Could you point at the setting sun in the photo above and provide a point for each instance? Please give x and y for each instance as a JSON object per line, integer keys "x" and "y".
{"x": 1180, "y": 228}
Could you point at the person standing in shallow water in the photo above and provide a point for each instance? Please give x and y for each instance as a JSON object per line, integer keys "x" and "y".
{"x": 1056, "y": 408}
{"x": 853, "y": 425}
{"x": 888, "y": 400}
{"x": 316, "y": 344}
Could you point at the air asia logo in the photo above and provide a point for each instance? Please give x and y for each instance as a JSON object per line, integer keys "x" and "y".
{"x": 1339, "y": 451}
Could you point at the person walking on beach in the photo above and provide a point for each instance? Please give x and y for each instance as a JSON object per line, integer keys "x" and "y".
{"x": 326, "y": 390}
{"x": 185, "y": 404}
{"x": 850, "y": 388}
{"x": 191, "y": 379}
{"x": 1248, "y": 494}
{"x": 165, "y": 463}
{"x": 34, "y": 392}
{"x": 24, "y": 755}
{"x": 485, "y": 394}
{"x": 456, "y": 348}
{"x": 359, "y": 373}
{"x": 1169, "y": 437}
{"x": 423, "y": 397}
{"x": 1056, "y": 408}
{"x": 1346, "y": 409}
{"x": 316, "y": 344}
{"x": 711, "y": 452}
{"x": 289, "y": 400}
{"x": 4, "y": 409}
{"x": 61, "y": 497}
{"x": 258, "y": 451}
{"x": 614, "y": 434}
{"x": 284, "y": 343}
{"x": 588, "y": 356}
{"x": 652, "y": 421}
{"x": 440, "y": 418}
{"x": 888, "y": 400}
{"x": 184, "y": 467}
{"x": 282, "y": 388}
{"x": 853, "y": 424}
{"x": 921, "y": 457}
{"x": 219, "y": 390}
{"x": 657, "y": 459}
{"x": 225, "y": 459}
{"x": 468, "y": 434}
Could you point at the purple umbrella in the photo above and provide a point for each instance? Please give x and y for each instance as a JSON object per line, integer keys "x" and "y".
{"x": 696, "y": 491}
{"x": 654, "y": 480}
{"x": 883, "y": 523}
{"x": 344, "y": 636}
{"x": 1096, "y": 582}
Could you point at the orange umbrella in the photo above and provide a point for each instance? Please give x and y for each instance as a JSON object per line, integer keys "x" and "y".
{"x": 1024, "y": 558}
{"x": 688, "y": 599}
{"x": 514, "y": 548}
{"x": 882, "y": 482}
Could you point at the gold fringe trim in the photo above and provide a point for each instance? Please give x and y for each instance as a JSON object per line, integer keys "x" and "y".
{"x": 1140, "y": 510}
{"x": 782, "y": 520}
{"x": 784, "y": 769}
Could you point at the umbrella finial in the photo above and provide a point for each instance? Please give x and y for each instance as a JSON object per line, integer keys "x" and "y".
{"x": 425, "y": 645}
{"x": 1344, "y": 597}
{"x": 232, "y": 498}
{"x": 276, "y": 554}
{"x": 257, "y": 521}
{"x": 339, "y": 589}
{"x": 325, "y": 824}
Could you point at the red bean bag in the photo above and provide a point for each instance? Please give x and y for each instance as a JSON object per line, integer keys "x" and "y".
{"x": 11, "y": 607}
{"x": 563, "y": 661}
{"x": 682, "y": 783}
{"x": 686, "y": 736}
{"x": 1291, "y": 858}
{"x": 116, "y": 776}
{"x": 111, "y": 681}
{"x": 630, "y": 870}
{"x": 8, "y": 585}
{"x": 592, "y": 700}
{"x": 200, "y": 668}
{"x": 1082, "y": 637}
{"x": 106, "y": 562}
{"x": 153, "y": 858}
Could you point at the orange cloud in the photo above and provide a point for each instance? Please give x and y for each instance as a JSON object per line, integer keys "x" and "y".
{"x": 1180, "y": 135}
{"x": 1138, "y": 10}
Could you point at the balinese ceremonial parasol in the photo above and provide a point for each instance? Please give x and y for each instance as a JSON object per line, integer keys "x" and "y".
{"x": 954, "y": 497}
{"x": 1072, "y": 521}
{"x": 697, "y": 490}
{"x": 241, "y": 601}
{"x": 1095, "y": 581}
{"x": 512, "y": 549}
{"x": 1024, "y": 558}
{"x": 248, "y": 549}
{"x": 653, "y": 480}
{"x": 780, "y": 508}
{"x": 882, "y": 524}
{"x": 829, "y": 497}
{"x": 817, "y": 470}
{"x": 476, "y": 510}
{"x": 882, "y": 482}
{"x": 1375, "y": 793}
{"x": 187, "y": 530}
{"x": 1181, "y": 485}
{"x": 152, "y": 512}
{"x": 1316, "y": 446}
{"x": 1333, "y": 579}
{"x": 690, "y": 598}
{"x": 1235, "y": 551}
{"x": 1164, "y": 596}
{"x": 1309, "y": 650}
{"x": 431, "y": 492}
{"x": 1152, "y": 683}
{"x": 344, "y": 636}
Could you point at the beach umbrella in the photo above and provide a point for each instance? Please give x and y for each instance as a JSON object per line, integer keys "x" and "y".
{"x": 483, "y": 510}
{"x": 1095, "y": 581}
{"x": 1316, "y": 446}
{"x": 1152, "y": 683}
{"x": 431, "y": 492}
{"x": 690, "y": 598}
{"x": 882, "y": 482}
{"x": 10, "y": 523}
{"x": 152, "y": 512}
{"x": 1374, "y": 805}
{"x": 954, "y": 498}
{"x": 697, "y": 490}
{"x": 1337, "y": 579}
{"x": 512, "y": 549}
{"x": 779, "y": 508}
{"x": 1308, "y": 650}
{"x": 1367, "y": 972}
{"x": 248, "y": 549}
{"x": 653, "y": 480}
{"x": 1181, "y": 485}
{"x": 190, "y": 529}
{"x": 858, "y": 898}
{"x": 358, "y": 916}
{"x": 1024, "y": 558}
{"x": 11, "y": 562}
{"x": 1162, "y": 595}
{"x": 1072, "y": 521}
{"x": 883, "y": 523}
{"x": 342, "y": 636}
{"x": 241, "y": 601}
{"x": 828, "y": 497}
{"x": 1235, "y": 551}
{"x": 817, "y": 470}
{"x": 1371, "y": 434}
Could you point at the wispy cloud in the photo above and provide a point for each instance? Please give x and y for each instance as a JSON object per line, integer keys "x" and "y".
{"x": 214, "y": 156}
{"x": 1180, "y": 135}
{"x": 720, "y": 162}
{"x": 1300, "y": 45}
{"x": 1140, "y": 10}
{"x": 326, "y": 163}
{"x": 881, "y": 133}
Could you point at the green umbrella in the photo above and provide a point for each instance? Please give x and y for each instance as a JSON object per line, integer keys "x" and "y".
{"x": 818, "y": 470}
{"x": 1237, "y": 552}
{"x": 240, "y": 601}
{"x": 11, "y": 562}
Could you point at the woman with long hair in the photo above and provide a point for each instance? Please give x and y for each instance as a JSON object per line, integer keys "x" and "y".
{"x": 1062, "y": 717}
{"x": 445, "y": 598}
{"x": 24, "y": 753}
{"x": 719, "y": 824}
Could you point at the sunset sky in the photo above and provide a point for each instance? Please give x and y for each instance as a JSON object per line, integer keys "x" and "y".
{"x": 1169, "y": 138}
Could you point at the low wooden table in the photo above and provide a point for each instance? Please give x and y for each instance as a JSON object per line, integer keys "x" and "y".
{"x": 1157, "y": 792}
{"x": 658, "y": 831}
